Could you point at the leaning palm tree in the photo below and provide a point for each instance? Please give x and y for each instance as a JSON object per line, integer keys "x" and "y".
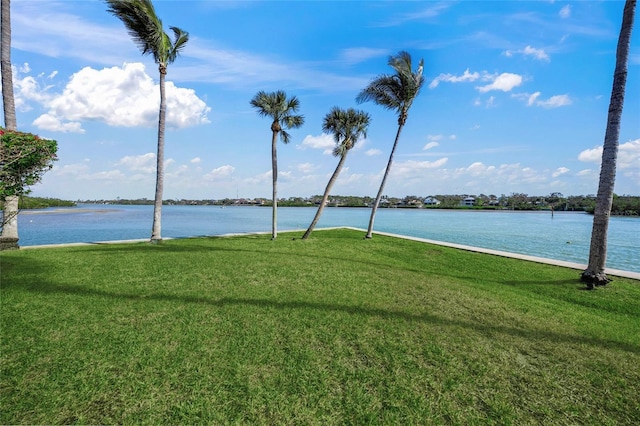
{"x": 395, "y": 92}
{"x": 145, "y": 28}
{"x": 594, "y": 274}
{"x": 347, "y": 127}
{"x": 282, "y": 111}
{"x": 10, "y": 214}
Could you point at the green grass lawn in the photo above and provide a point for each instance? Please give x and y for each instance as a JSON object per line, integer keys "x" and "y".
{"x": 332, "y": 330}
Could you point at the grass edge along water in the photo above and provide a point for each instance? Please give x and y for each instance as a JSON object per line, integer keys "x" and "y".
{"x": 563, "y": 236}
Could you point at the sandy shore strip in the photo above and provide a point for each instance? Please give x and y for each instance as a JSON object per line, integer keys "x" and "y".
{"x": 562, "y": 263}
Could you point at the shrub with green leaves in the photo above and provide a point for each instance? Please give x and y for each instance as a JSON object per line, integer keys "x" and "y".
{"x": 24, "y": 158}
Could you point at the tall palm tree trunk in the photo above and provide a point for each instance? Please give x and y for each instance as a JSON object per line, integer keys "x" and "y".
{"x": 594, "y": 274}
{"x": 325, "y": 197}
{"x": 8, "y": 100}
{"x": 157, "y": 206}
{"x": 382, "y": 184}
{"x": 274, "y": 178}
{"x": 10, "y": 213}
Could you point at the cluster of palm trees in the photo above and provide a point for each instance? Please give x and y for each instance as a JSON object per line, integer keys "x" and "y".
{"x": 395, "y": 92}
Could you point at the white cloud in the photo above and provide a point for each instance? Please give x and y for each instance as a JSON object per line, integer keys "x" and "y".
{"x": 82, "y": 172}
{"x": 51, "y": 123}
{"x": 324, "y": 142}
{"x": 178, "y": 172}
{"x": 145, "y": 163}
{"x": 555, "y": 101}
{"x": 71, "y": 169}
{"x": 478, "y": 169}
{"x": 539, "y": 54}
{"x": 536, "y": 53}
{"x": 505, "y": 82}
{"x": 410, "y": 168}
{"x": 348, "y": 180}
{"x": 559, "y": 172}
{"x": 27, "y": 89}
{"x": 593, "y": 155}
{"x": 532, "y": 99}
{"x": 565, "y": 12}
{"x": 220, "y": 172}
{"x": 430, "y": 145}
{"x": 373, "y": 151}
{"x": 119, "y": 96}
{"x": 306, "y": 167}
{"x": 628, "y": 155}
{"x": 496, "y": 176}
{"x": 450, "y": 78}
{"x": 196, "y": 160}
{"x": 261, "y": 178}
{"x": 110, "y": 175}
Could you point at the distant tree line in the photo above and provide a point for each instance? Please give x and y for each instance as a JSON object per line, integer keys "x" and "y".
{"x": 627, "y": 205}
{"x": 26, "y": 202}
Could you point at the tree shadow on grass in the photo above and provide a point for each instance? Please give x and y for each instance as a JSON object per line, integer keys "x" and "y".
{"x": 37, "y": 285}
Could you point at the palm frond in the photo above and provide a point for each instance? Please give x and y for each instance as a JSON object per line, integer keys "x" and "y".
{"x": 347, "y": 127}
{"x": 293, "y": 121}
{"x": 285, "y": 137}
{"x": 181, "y": 38}
{"x": 146, "y": 31}
{"x": 281, "y": 109}
{"x": 293, "y": 104}
{"x": 395, "y": 91}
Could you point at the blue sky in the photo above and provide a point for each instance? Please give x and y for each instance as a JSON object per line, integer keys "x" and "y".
{"x": 515, "y": 97}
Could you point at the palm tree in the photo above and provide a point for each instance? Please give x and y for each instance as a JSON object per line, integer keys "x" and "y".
{"x": 7, "y": 77}
{"x": 397, "y": 93}
{"x": 145, "y": 28}
{"x": 347, "y": 127}
{"x": 10, "y": 214}
{"x": 282, "y": 110}
{"x": 594, "y": 274}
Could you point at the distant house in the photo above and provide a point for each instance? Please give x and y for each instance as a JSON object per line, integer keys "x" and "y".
{"x": 431, "y": 201}
{"x": 468, "y": 202}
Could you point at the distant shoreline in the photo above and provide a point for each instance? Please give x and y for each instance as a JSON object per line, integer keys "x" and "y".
{"x": 67, "y": 210}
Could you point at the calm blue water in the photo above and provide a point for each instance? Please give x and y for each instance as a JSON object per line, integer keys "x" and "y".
{"x": 565, "y": 236}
